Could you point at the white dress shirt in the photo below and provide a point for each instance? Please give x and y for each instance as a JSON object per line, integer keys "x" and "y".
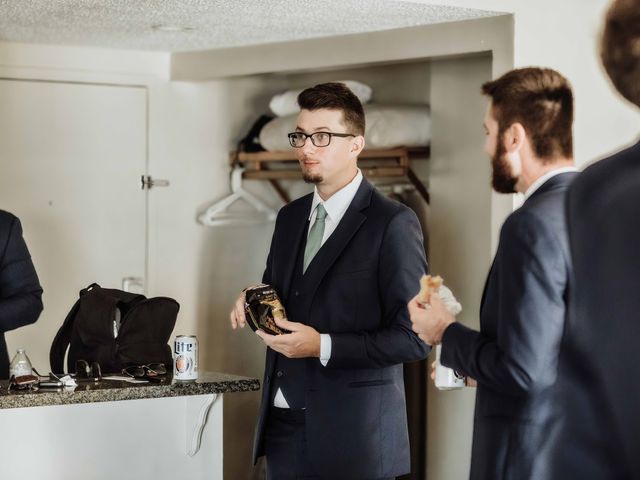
{"x": 543, "y": 178}
{"x": 335, "y": 206}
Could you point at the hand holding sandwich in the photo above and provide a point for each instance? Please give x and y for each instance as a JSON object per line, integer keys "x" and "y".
{"x": 432, "y": 310}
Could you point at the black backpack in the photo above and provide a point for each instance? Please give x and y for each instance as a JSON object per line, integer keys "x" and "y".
{"x": 115, "y": 329}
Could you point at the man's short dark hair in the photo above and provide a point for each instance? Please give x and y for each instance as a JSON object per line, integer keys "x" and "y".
{"x": 335, "y": 96}
{"x": 541, "y": 100}
{"x": 620, "y": 48}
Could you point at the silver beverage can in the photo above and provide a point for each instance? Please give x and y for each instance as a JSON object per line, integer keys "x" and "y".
{"x": 447, "y": 378}
{"x": 185, "y": 358}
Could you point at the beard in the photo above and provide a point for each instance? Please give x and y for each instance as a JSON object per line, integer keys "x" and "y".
{"x": 312, "y": 178}
{"x": 307, "y": 176}
{"x": 502, "y": 180}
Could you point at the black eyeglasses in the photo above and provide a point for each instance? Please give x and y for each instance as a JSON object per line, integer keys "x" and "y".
{"x": 319, "y": 139}
{"x": 86, "y": 372}
{"x": 148, "y": 372}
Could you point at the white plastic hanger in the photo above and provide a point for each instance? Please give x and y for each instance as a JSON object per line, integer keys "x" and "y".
{"x": 218, "y": 215}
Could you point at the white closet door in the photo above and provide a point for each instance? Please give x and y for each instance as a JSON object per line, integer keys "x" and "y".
{"x": 71, "y": 157}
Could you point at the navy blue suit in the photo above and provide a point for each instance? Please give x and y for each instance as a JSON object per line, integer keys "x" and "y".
{"x": 20, "y": 291}
{"x": 599, "y": 436}
{"x": 356, "y": 289}
{"x": 514, "y": 355}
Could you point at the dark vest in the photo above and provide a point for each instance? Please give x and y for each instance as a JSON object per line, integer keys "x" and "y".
{"x": 289, "y": 373}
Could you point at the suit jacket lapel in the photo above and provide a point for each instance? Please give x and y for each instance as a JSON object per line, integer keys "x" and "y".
{"x": 340, "y": 238}
{"x": 486, "y": 284}
{"x": 292, "y": 241}
{"x": 562, "y": 180}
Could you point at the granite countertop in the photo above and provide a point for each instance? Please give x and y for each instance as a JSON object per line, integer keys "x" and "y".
{"x": 114, "y": 390}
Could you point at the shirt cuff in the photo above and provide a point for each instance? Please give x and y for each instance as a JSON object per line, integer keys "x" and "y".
{"x": 325, "y": 348}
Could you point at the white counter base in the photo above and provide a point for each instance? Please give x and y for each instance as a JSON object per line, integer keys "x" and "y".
{"x": 131, "y": 439}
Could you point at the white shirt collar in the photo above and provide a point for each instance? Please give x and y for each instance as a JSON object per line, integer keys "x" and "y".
{"x": 543, "y": 178}
{"x": 337, "y": 203}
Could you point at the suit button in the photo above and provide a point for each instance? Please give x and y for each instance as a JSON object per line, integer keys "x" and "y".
{"x": 296, "y": 293}
{"x": 279, "y": 373}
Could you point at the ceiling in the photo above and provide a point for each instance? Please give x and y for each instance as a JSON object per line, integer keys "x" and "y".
{"x": 208, "y": 24}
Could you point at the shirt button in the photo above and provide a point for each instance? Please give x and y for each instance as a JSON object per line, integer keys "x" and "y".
{"x": 279, "y": 373}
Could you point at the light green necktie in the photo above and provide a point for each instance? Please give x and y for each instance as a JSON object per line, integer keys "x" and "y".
{"x": 314, "y": 240}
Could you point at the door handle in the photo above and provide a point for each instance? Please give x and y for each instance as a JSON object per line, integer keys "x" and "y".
{"x": 147, "y": 182}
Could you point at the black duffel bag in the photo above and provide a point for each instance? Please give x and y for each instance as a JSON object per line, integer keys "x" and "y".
{"x": 115, "y": 329}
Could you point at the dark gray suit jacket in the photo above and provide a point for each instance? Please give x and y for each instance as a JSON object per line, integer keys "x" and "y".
{"x": 361, "y": 281}
{"x": 20, "y": 291}
{"x": 514, "y": 356}
{"x": 599, "y": 392}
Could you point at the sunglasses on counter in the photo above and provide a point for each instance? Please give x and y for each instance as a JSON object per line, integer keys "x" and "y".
{"x": 147, "y": 372}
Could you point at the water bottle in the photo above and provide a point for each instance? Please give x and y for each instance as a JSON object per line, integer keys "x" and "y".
{"x": 20, "y": 365}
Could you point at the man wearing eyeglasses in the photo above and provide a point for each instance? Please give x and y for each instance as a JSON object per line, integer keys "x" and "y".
{"x": 20, "y": 290}
{"x": 345, "y": 261}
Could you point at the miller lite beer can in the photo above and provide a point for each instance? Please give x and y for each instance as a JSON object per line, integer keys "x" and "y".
{"x": 447, "y": 378}
{"x": 185, "y": 358}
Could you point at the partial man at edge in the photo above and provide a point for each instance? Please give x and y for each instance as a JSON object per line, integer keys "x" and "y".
{"x": 20, "y": 290}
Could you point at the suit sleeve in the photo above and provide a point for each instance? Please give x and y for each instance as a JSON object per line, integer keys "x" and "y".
{"x": 401, "y": 264}
{"x": 20, "y": 291}
{"x": 531, "y": 275}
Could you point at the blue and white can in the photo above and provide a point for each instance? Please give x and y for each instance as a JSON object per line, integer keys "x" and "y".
{"x": 447, "y": 378}
{"x": 185, "y": 358}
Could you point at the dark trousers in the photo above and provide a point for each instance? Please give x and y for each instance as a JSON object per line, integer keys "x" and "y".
{"x": 286, "y": 447}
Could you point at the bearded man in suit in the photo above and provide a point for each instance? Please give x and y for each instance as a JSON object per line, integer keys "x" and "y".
{"x": 513, "y": 358}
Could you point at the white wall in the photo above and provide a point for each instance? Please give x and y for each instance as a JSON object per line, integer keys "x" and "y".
{"x": 395, "y": 82}
{"x": 460, "y": 238}
{"x": 79, "y": 64}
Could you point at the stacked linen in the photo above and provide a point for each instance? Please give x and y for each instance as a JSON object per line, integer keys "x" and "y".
{"x": 387, "y": 126}
{"x": 286, "y": 103}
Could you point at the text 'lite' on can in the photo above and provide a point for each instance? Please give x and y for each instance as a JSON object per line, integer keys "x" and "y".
{"x": 185, "y": 358}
